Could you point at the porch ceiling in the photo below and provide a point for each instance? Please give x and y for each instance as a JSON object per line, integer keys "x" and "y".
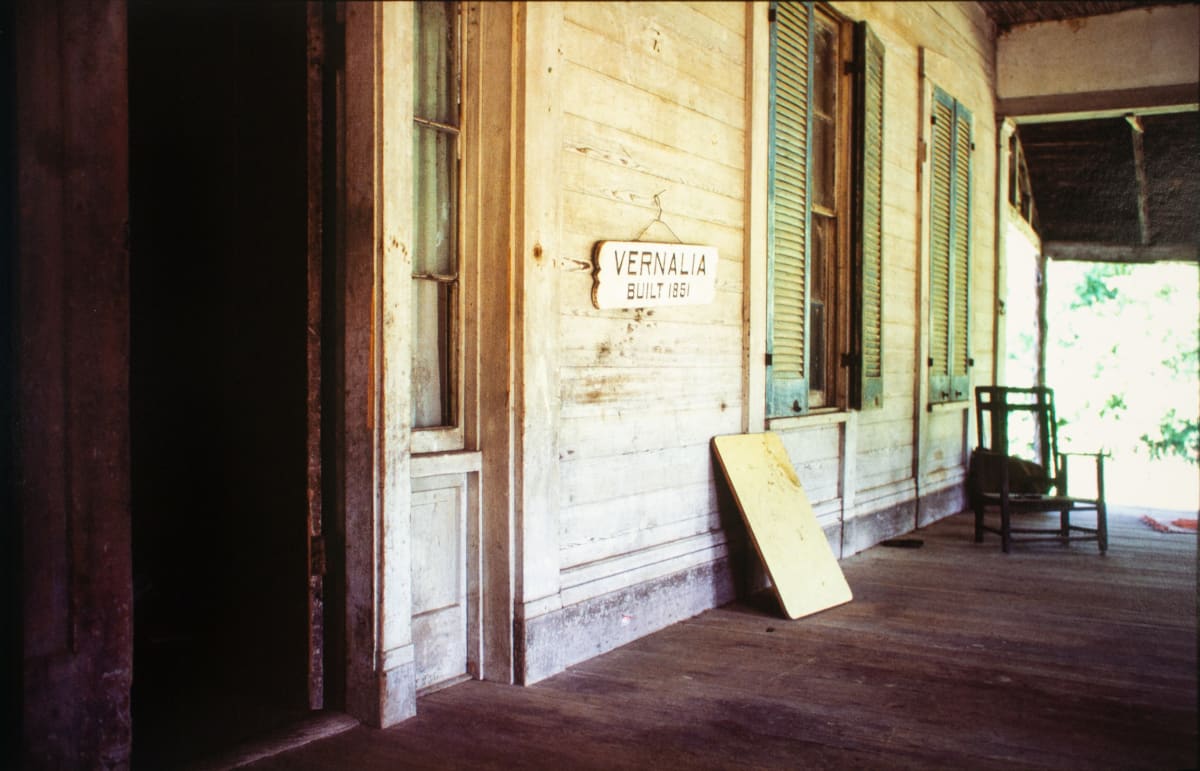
{"x": 1117, "y": 185}
{"x": 1009, "y": 13}
{"x": 1109, "y": 186}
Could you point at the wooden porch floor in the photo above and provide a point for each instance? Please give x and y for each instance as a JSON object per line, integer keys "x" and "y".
{"x": 952, "y": 655}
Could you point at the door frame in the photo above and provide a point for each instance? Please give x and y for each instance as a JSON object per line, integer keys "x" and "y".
{"x": 374, "y": 431}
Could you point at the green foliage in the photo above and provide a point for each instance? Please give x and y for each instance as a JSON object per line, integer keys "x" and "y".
{"x": 1114, "y": 406}
{"x": 1095, "y": 287}
{"x": 1177, "y": 436}
{"x": 1123, "y": 353}
{"x": 1184, "y": 363}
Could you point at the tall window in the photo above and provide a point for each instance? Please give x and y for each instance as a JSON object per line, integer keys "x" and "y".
{"x": 435, "y": 285}
{"x": 950, "y": 249}
{"x": 827, "y": 151}
{"x": 825, "y": 248}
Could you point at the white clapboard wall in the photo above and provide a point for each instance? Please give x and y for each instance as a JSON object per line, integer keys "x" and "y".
{"x": 653, "y": 100}
{"x": 644, "y": 390}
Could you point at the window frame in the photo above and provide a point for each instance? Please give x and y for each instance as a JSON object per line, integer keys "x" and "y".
{"x": 852, "y": 323}
{"x": 450, "y": 434}
{"x": 835, "y": 275}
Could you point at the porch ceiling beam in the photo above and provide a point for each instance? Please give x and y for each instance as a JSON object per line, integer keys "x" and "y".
{"x": 1139, "y": 167}
{"x": 1134, "y": 253}
{"x": 1115, "y": 103}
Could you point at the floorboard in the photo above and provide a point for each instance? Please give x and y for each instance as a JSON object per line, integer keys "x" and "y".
{"x": 951, "y": 655}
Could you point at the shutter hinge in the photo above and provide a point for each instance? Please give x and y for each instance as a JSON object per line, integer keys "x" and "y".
{"x": 932, "y": 120}
{"x": 768, "y": 357}
{"x": 970, "y": 361}
{"x": 853, "y": 67}
{"x": 771, "y": 15}
{"x": 930, "y": 361}
{"x": 851, "y": 359}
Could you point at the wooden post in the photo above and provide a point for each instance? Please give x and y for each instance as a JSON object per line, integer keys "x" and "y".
{"x": 1042, "y": 265}
{"x": 1139, "y": 168}
{"x": 375, "y": 364}
{"x": 71, "y": 357}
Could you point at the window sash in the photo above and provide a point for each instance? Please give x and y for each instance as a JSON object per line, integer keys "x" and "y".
{"x": 436, "y": 345}
{"x": 794, "y": 305}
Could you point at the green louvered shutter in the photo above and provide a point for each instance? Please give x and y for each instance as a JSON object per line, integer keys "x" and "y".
{"x": 868, "y": 213}
{"x": 788, "y": 209}
{"x": 941, "y": 194}
{"x": 950, "y": 250}
{"x": 960, "y": 277}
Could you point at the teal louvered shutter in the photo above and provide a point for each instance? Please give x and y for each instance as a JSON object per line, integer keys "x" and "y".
{"x": 941, "y": 149}
{"x": 960, "y": 279}
{"x": 950, "y": 250}
{"x": 867, "y": 383}
{"x": 788, "y": 209}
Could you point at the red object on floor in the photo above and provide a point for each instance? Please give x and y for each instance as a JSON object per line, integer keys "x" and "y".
{"x": 1181, "y": 525}
{"x": 1155, "y": 524}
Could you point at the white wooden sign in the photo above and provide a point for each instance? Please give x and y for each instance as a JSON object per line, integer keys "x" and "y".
{"x": 642, "y": 274}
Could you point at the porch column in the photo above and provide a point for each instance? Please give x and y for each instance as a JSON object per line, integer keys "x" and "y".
{"x": 376, "y": 363}
{"x": 71, "y": 363}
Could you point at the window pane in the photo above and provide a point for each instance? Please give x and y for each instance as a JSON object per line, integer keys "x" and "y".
{"x": 435, "y": 88}
{"x": 435, "y": 255}
{"x": 821, "y": 297}
{"x": 435, "y": 176}
{"x": 432, "y": 375}
{"x": 816, "y": 370}
{"x": 825, "y": 70}
{"x": 822, "y": 252}
{"x": 823, "y": 166}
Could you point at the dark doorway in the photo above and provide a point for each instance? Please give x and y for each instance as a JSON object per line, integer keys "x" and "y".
{"x": 218, "y": 273}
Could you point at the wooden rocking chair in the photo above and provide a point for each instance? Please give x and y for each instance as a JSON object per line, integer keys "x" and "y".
{"x": 1000, "y": 481}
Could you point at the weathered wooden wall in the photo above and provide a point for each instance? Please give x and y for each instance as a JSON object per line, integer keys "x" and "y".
{"x": 653, "y": 104}
{"x": 602, "y": 518}
{"x": 653, "y": 100}
{"x": 907, "y": 455}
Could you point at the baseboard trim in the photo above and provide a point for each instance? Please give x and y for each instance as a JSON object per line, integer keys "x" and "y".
{"x": 940, "y": 504}
{"x": 863, "y": 532}
{"x": 556, "y": 640}
{"x": 549, "y": 643}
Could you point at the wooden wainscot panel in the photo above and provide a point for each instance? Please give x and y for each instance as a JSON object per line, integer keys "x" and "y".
{"x": 644, "y": 274}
